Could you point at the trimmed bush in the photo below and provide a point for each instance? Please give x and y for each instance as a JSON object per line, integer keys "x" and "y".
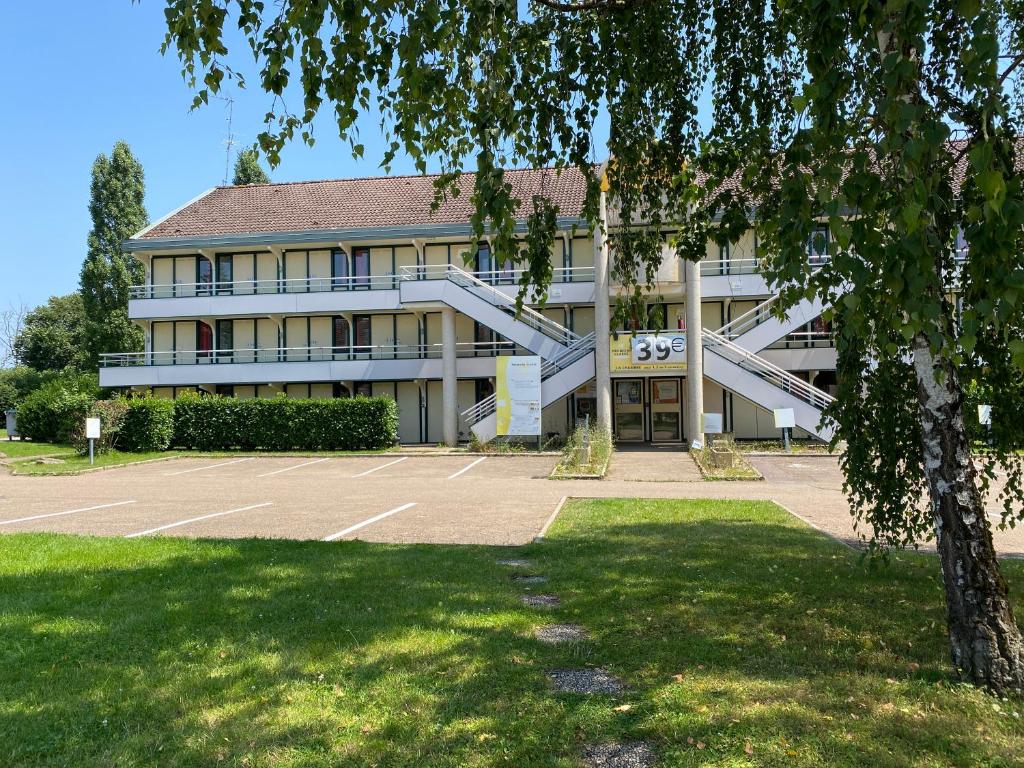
{"x": 283, "y": 424}
{"x": 111, "y": 414}
{"x": 148, "y": 425}
{"x": 53, "y": 412}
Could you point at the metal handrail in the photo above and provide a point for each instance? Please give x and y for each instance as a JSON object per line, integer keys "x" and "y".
{"x": 322, "y": 353}
{"x": 579, "y": 349}
{"x": 513, "y": 276}
{"x": 496, "y": 298}
{"x": 749, "y": 319}
{"x": 312, "y": 284}
{"x": 726, "y": 267}
{"x": 318, "y": 284}
{"x": 766, "y": 370}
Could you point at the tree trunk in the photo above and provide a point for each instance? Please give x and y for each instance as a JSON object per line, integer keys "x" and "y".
{"x": 985, "y": 641}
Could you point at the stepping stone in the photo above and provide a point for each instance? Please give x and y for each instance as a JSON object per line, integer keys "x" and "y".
{"x": 529, "y": 578}
{"x": 585, "y": 681}
{"x": 515, "y": 563}
{"x": 560, "y": 633}
{"x": 540, "y": 601}
{"x": 633, "y": 754}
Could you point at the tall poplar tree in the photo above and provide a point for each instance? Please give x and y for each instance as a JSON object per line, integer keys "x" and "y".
{"x": 822, "y": 111}
{"x": 248, "y": 169}
{"x": 117, "y": 209}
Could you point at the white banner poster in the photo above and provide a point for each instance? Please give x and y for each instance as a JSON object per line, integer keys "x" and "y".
{"x": 518, "y": 396}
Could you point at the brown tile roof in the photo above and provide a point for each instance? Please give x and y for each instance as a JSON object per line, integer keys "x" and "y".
{"x": 341, "y": 204}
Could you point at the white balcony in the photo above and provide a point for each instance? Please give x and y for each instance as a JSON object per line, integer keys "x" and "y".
{"x": 324, "y": 295}
{"x": 296, "y": 364}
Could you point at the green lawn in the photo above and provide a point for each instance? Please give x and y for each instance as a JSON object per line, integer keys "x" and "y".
{"x": 747, "y": 638}
{"x": 24, "y": 449}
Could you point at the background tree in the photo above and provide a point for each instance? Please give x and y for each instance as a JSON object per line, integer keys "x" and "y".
{"x": 52, "y": 337}
{"x": 248, "y": 169}
{"x": 822, "y": 110}
{"x": 11, "y": 320}
{"x": 117, "y": 208}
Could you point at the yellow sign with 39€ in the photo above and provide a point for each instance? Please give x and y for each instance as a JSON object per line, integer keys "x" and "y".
{"x": 648, "y": 352}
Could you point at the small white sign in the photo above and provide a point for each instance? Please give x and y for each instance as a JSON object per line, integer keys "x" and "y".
{"x": 784, "y": 418}
{"x": 712, "y": 423}
{"x": 659, "y": 348}
{"x": 92, "y": 429}
{"x": 985, "y": 415}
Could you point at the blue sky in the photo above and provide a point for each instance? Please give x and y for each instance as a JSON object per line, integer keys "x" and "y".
{"x": 82, "y": 76}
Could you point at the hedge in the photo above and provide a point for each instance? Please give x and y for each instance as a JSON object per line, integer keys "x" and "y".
{"x": 283, "y": 424}
{"x": 57, "y": 409}
{"x": 148, "y": 425}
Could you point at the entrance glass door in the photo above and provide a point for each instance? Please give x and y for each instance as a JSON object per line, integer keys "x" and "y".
{"x": 666, "y": 411}
{"x": 629, "y": 410}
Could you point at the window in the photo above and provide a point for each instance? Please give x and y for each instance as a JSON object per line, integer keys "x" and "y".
{"x": 724, "y": 254}
{"x": 362, "y": 332}
{"x": 204, "y": 339}
{"x": 204, "y": 275}
{"x": 225, "y": 272}
{"x": 484, "y": 265}
{"x": 485, "y": 345}
{"x": 225, "y": 338}
{"x": 339, "y": 269}
{"x": 484, "y": 389}
{"x": 340, "y": 334}
{"x": 361, "y": 267}
{"x": 817, "y": 246}
{"x": 340, "y": 390}
{"x": 364, "y": 389}
{"x": 226, "y": 390}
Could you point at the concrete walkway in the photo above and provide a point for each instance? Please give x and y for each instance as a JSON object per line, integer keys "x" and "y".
{"x": 653, "y": 464}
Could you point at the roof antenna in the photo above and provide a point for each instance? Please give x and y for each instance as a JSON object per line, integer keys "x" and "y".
{"x": 229, "y": 142}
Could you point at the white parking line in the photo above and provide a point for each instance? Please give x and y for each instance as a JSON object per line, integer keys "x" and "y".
{"x": 372, "y": 520}
{"x": 208, "y": 466}
{"x": 289, "y": 469}
{"x": 69, "y": 512}
{"x": 382, "y": 466}
{"x": 466, "y": 469}
{"x": 197, "y": 519}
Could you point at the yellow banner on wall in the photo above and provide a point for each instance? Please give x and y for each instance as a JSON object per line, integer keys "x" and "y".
{"x": 623, "y": 357}
{"x": 517, "y": 395}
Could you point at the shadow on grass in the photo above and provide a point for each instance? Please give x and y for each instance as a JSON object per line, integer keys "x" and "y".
{"x": 180, "y": 652}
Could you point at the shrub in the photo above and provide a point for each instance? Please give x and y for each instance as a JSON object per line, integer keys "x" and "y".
{"x": 111, "y": 414}
{"x": 282, "y": 424}
{"x": 17, "y": 382}
{"x": 148, "y": 425}
{"x": 53, "y": 412}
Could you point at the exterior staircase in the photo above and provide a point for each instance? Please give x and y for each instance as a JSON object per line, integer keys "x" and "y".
{"x": 559, "y": 376}
{"x": 453, "y": 287}
{"x": 759, "y": 328}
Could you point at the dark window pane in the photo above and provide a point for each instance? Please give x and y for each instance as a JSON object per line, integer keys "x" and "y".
{"x": 361, "y": 266}
{"x": 364, "y": 389}
{"x": 204, "y": 273}
{"x": 362, "y": 323}
{"x": 341, "y": 333}
{"x": 339, "y": 268}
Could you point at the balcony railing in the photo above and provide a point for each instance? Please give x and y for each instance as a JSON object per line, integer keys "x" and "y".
{"x": 328, "y": 284}
{"x": 303, "y": 354}
{"x": 729, "y": 267}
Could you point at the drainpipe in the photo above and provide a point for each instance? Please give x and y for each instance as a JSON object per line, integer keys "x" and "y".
{"x": 602, "y": 315}
{"x": 450, "y": 380}
{"x": 694, "y": 356}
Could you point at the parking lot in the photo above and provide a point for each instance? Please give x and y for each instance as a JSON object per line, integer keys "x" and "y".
{"x": 452, "y": 499}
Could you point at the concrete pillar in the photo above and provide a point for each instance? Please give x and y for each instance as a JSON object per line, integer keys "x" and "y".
{"x": 694, "y": 356}
{"x": 450, "y": 380}
{"x": 602, "y": 320}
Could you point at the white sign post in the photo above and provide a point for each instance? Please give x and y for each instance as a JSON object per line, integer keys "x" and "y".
{"x": 785, "y": 419}
{"x": 92, "y": 433}
{"x": 985, "y": 419}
